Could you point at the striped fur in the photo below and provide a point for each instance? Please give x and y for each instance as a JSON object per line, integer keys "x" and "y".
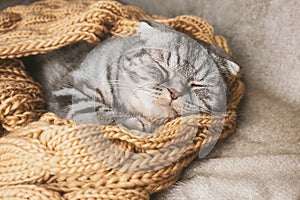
{"x": 137, "y": 81}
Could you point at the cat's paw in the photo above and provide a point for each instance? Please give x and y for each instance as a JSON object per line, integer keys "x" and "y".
{"x": 137, "y": 123}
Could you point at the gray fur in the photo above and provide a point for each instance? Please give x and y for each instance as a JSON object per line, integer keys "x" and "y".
{"x": 157, "y": 73}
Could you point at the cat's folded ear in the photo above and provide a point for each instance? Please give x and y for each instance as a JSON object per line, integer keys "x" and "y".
{"x": 232, "y": 67}
{"x": 217, "y": 51}
{"x": 153, "y": 24}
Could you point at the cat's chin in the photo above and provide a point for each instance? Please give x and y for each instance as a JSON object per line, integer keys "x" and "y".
{"x": 163, "y": 112}
{"x": 175, "y": 106}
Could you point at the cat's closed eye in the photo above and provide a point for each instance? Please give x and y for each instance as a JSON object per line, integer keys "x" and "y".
{"x": 195, "y": 85}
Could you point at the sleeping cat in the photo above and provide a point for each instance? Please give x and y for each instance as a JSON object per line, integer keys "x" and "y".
{"x": 139, "y": 81}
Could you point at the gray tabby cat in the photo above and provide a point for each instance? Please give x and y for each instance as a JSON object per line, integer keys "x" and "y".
{"x": 138, "y": 81}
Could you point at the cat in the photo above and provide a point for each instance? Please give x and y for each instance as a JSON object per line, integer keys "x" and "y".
{"x": 139, "y": 81}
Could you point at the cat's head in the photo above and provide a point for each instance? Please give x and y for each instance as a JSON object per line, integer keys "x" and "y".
{"x": 169, "y": 74}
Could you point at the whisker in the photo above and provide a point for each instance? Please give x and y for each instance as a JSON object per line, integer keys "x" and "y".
{"x": 150, "y": 92}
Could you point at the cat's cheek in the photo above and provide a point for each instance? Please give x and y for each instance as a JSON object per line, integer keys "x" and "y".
{"x": 140, "y": 106}
{"x": 175, "y": 106}
{"x": 178, "y": 106}
{"x": 137, "y": 123}
{"x": 148, "y": 107}
{"x": 162, "y": 112}
{"x": 161, "y": 108}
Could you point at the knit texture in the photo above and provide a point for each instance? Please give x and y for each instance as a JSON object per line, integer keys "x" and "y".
{"x": 43, "y": 156}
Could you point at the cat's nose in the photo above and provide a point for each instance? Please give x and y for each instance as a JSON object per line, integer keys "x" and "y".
{"x": 173, "y": 93}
